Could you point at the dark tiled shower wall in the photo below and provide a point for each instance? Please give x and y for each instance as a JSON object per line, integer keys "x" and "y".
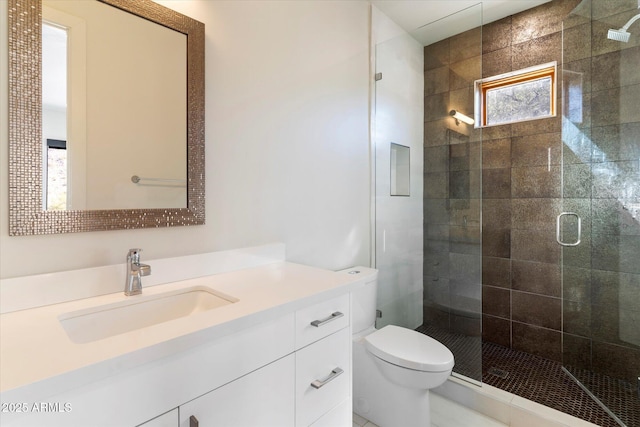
{"x": 522, "y": 190}
{"x": 452, "y": 262}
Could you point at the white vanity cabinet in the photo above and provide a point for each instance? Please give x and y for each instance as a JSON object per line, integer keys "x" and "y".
{"x": 323, "y": 360}
{"x": 281, "y": 394}
{"x": 137, "y": 395}
{"x": 280, "y": 356}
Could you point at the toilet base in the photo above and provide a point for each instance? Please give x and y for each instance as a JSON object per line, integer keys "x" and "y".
{"x": 382, "y": 402}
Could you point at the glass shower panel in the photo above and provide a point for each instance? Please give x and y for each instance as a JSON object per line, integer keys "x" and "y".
{"x": 601, "y": 185}
{"x": 452, "y": 309}
{"x": 398, "y": 131}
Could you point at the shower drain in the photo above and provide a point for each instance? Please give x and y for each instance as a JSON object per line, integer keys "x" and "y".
{"x": 498, "y": 372}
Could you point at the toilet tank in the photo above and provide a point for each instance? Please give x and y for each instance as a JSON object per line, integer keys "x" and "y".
{"x": 363, "y": 298}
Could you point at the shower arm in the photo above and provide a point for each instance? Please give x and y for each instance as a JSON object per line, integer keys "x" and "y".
{"x": 631, "y": 21}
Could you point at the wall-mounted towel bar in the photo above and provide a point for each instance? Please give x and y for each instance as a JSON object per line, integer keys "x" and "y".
{"x": 158, "y": 181}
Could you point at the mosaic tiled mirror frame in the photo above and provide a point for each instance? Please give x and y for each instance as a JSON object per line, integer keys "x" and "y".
{"x": 26, "y": 216}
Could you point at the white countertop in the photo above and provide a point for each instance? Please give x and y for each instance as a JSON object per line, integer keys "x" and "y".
{"x": 38, "y": 360}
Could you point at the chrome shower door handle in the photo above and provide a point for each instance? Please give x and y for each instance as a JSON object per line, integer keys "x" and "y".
{"x": 558, "y": 239}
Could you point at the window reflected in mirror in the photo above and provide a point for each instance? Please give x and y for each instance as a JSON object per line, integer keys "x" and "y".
{"x": 55, "y": 175}
{"x": 54, "y": 116}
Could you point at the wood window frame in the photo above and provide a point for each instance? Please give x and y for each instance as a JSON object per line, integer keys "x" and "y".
{"x": 530, "y": 74}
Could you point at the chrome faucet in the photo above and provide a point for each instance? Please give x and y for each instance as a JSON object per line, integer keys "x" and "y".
{"x": 135, "y": 271}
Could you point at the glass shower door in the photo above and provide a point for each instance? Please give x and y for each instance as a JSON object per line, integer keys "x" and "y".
{"x": 599, "y": 225}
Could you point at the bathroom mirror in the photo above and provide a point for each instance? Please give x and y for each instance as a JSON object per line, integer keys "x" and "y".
{"x": 172, "y": 194}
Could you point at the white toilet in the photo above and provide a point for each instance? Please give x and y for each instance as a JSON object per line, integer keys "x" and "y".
{"x": 393, "y": 367}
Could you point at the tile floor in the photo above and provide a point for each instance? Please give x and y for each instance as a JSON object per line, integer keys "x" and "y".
{"x": 445, "y": 413}
{"x": 541, "y": 380}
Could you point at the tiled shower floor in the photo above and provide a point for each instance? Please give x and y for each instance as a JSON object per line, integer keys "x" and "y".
{"x": 541, "y": 380}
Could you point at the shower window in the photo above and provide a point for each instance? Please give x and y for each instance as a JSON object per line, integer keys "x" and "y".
{"x": 517, "y": 96}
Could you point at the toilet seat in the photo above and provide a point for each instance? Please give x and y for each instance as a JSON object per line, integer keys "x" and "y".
{"x": 409, "y": 349}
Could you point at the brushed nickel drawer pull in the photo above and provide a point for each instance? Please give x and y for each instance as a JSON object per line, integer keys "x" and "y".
{"x": 334, "y": 316}
{"x": 333, "y": 375}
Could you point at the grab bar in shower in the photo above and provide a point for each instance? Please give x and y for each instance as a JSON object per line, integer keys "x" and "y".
{"x": 559, "y": 239}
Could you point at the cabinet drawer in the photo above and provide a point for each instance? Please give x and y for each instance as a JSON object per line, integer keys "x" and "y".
{"x": 322, "y": 319}
{"x": 261, "y": 398}
{"x": 319, "y": 363}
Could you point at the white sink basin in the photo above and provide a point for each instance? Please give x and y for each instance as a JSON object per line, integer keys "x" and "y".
{"x": 139, "y": 312}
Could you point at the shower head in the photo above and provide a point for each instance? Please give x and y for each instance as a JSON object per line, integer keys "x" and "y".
{"x": 619, "y": 35}
{"x": 622, "y": 35}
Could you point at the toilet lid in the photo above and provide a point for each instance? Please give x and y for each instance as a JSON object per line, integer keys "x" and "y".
{"x": 409, "y": 349}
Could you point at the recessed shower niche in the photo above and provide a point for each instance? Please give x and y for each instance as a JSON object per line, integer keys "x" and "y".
{"x": 400, "y": 169}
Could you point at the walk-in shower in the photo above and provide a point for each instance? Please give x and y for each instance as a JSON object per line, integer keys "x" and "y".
{"x": 520, "y": 308}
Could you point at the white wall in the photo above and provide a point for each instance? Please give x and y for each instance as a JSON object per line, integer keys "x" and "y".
{"x": 398, "y": 118}
{"x": 287, "y": 151}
